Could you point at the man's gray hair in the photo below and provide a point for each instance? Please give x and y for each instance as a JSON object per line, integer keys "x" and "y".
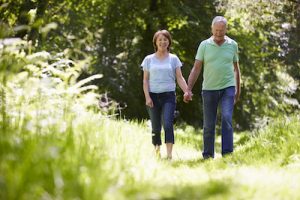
{"x": 219, "y": 19}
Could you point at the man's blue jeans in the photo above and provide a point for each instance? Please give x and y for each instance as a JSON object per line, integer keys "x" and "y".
{"x": 211, "y": 100}
{"x": 162, "y": 113}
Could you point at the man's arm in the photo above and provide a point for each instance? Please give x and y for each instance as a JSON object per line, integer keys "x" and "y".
{"x": 194, "y": 74}
{"x": 193, "y": 77}
{"x": 238, "y": 81}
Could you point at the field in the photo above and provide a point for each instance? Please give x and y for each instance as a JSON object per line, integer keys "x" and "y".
{"x": 57, "y": 144}
{"x": 85, "y": 155}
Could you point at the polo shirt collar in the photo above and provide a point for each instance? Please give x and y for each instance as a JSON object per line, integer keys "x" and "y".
{"x": 212, "y": 42}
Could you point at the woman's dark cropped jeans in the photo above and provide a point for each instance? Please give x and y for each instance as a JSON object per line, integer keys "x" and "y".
{"x": 162, "y": 113}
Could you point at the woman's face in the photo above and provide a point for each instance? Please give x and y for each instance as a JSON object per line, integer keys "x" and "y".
{"x": 162, "y": 43}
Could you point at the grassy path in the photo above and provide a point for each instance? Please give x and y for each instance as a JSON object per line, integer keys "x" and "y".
{"x": 99, "y": 158}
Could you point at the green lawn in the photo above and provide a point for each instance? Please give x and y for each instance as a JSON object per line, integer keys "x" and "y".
{"x": 56, "y": 144}
{"x": 95, "y": 157}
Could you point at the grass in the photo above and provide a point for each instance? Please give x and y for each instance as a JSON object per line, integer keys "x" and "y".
{"x": 54, "y": 145}
{"x": 65, "y": 151}
{"x": 95, "y": 157}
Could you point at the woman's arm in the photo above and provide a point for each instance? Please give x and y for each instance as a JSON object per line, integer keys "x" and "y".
{"x": 146, "y": 89}
{"x": 180, "y": 80}
{"x": 182, "y": 84}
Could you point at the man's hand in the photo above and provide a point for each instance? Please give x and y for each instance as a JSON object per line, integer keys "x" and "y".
{"x": 188, "y": 96}
{"x": 236, "y": 98}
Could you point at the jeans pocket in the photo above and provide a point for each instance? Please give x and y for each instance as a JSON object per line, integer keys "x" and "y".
{"x": 230, "y": 91}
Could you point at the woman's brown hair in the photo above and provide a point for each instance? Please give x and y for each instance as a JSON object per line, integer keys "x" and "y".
{"x": 164, "y": 33}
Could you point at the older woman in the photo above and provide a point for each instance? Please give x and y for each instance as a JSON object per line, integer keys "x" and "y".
{"x": 161, "y": 69}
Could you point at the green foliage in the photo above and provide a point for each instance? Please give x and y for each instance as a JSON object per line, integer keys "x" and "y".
{"x": 29, "y": 82}
{"x": 113, "y": 37}
{"x": 40, "y": 103}
{"x": 268, "y": 87}
{"x": 275, "y": 144}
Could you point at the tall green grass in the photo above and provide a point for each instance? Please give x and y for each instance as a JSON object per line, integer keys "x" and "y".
{"x": 55, "y": 146}
{"x": 101, "y": 158}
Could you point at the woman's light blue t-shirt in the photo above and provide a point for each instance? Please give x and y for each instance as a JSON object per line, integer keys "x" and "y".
{"x": 162, "y": 73}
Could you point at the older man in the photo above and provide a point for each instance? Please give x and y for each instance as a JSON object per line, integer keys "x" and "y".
{"x": 221, "y": 85}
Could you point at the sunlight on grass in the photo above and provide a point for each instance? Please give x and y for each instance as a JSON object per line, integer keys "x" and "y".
{"x": 268, "y": 178}
{"x": 56, "y": 144}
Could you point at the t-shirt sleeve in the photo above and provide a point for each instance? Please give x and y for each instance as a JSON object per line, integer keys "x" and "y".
{"x": 145, "y": 64}
{"x": 177, "y": 62}
{"x": 200, "y": 52}
{"x": 236, "y": 53}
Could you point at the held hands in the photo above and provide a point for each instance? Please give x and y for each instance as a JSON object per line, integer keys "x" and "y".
{"x": 188, "y": 96}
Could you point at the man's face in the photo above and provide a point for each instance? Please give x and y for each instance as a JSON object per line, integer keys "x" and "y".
{"x": 219, "y": 31}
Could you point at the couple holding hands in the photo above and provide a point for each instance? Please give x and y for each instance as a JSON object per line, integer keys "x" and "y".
{"x": 218, "y": 55}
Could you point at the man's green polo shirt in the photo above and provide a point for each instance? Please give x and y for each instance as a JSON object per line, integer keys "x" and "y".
{"x": 218, "y": 72}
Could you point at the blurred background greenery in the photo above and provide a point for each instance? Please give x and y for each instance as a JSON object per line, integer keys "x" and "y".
{"x": 73, "y": 119}
{"x": 115, "y": 36}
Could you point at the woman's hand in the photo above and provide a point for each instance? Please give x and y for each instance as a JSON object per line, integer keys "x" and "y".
{"x": 149, "y": 102}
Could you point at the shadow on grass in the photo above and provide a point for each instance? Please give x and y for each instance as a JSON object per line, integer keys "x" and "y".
{"x": 228, "y": 160}
{"x": 213, "y": 189}
{"x": 190, "y": 163}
